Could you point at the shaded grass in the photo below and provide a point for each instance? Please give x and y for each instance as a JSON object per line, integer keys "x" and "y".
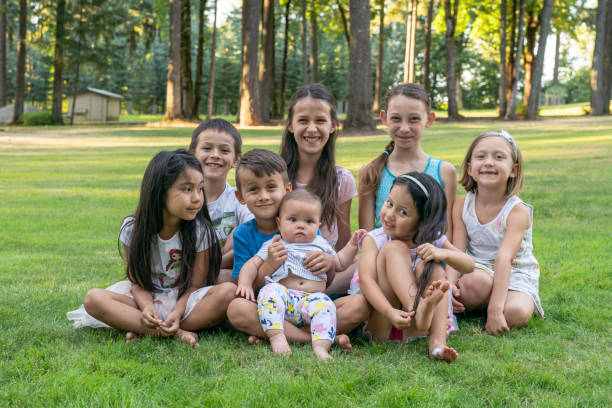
{"x": 63, "y": 196}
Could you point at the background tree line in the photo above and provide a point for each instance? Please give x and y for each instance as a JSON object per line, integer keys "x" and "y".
{"x": 177, "y": 57}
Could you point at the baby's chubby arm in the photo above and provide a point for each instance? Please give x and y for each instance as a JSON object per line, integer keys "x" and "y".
{"x": 345, "y": 257}
{"x": 247, "y": 276}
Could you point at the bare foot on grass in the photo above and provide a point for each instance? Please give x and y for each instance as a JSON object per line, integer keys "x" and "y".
{"x": 279, "y": 343}
{"x": 445, "y": 353}
{"x": 130, "y": 337}
{"x": 187, "y": 337}
{"x": 321, "y": 349}
{"x": 343, "y": 341}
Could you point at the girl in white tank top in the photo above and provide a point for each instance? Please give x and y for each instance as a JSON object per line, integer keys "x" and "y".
{"x": 493, "y": 226}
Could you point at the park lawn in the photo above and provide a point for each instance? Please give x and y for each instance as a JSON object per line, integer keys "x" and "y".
{"x": 64, "y": 192}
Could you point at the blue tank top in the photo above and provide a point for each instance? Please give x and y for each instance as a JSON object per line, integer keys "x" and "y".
{"x": 386, "y": 181}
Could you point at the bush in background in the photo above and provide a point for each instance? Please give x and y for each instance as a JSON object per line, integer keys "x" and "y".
{"x": 42, "y": 118}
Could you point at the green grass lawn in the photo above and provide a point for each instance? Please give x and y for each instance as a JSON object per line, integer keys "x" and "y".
{"x": 64, "y": 192}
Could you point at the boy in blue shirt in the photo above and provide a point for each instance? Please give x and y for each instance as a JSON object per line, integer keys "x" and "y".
{"x": 262, "y": 181}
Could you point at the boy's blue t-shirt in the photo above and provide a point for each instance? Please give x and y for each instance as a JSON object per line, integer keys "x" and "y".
{"x": 248, "y": 239}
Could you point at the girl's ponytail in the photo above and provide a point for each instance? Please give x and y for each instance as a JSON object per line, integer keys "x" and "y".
{"x": 373, "y": 172}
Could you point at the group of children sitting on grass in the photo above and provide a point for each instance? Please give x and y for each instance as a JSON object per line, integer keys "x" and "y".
{"x": 276, "y": 256}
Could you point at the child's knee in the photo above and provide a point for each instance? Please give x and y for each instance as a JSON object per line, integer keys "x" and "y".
{"x": 241, "y": 312}
{"x": 395, "y": 247}
{"x": 474, "y": 290}
{"x": 226, "y": 292}
{"x": 93, "y": 299}
{"x": 517, "y": 315}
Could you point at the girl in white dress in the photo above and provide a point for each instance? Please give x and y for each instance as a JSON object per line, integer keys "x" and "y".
{"x": 172, "y": 255}
{"x": 493, "y": 226}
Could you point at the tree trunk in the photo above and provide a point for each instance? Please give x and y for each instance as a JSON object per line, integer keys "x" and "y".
{"x": 379, "y": 58}
{"x": 511, "y": 114}
{"x": 58, "y": 61}
{"x": 359, "y": 116}
{"x": 410, "y": 42}
{"x": 510, "y": 74}
{"x": 345, "y": 28}
{"x": 21, "y": 59}
{"x": 250, "y": 108}
{"x": 314, "y": 52}
{"x": 3, "y": 81}
{"x": 173, "y": 86}
{"x": 533, "y": 103}
{"x": 211, "y": 75}
{"x": 281, "y": 111}
{"x": 556, "y": 68}
{"x": 451, "y": 84}
{"x": 199, "y": 73}
{"x": 607, "y": 74}
{"x": 598, "y": 69}
{"x": 502, "y": 58}
{"x": 266, "y": 62}
{"x": 532, "y": 23}
{"x": 186, "y": 81}
{"x": 427, "y": 61}
{"x": 305, "y": 79}
{"x": 76, "y": 87}
{"x": 129, "y": 103}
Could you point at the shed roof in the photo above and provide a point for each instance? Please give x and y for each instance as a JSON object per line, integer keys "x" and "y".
{"x": 100, "y": 92}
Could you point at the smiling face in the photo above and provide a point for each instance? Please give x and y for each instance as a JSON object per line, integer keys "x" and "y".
{"x": 311, "y": 125}
{"x": 262, "y": 194}
{"x": 299, "y": 220}
{"x": 491, "y": 163}
{"x": 216, "y": 152}
{"x": 399, "y": 215}
{"x": 407, "y": 119}
{"x": 185, "y": 198}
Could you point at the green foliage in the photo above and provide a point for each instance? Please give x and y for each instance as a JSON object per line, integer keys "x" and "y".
{"x": 579, "y": 86}
{"x": 43, "y": 118}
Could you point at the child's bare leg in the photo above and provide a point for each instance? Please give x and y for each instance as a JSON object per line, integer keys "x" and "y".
{"x": 425, "y": 310}
{"x": 116, "y": 310}
{"x": 342, "y": 279}
{"x": 518, "y": 309}
{"x": 437, "y": 334}
{"x": 475, "y": 289}
{"x": 351, "y": 311}
{"x": 242, "y": 314}
{"x": 321, "y": 349}
{"x": 398, "y": 272}
{"x": 278, "y": 341}
{"x": 212, "y": 309}
{"x": 187, "y": 337}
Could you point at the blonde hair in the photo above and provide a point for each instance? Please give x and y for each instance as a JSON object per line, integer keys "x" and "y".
{"x": 513, "y": 185}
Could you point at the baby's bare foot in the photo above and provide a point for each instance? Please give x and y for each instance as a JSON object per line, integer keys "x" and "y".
{"x": 187, "y": 337}
{"x": 344, "y": 341}
{"x": 445, "y": 353}
{"x": 278, "y": 341}
{"x": 321, "y": 349}
{"x": 130, "y": 337}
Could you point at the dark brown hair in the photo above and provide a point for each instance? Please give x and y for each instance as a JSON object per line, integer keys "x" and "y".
{"x": 370, "y": 178}
{"x": 514, "y": 184}
{"x": 324, "y": 183}
{"x": 260, "y": 162}
{"x": 161, "y": 173}
{"x": 300, "y": 194}
{"x": 220, "y": 125}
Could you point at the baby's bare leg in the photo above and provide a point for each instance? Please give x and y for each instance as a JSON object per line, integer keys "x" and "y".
{"x": 278, "y": 341}
{"x": 321, "y": 349}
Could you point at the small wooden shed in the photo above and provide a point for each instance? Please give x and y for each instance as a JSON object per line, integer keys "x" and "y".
{"x": 96, "y": 104}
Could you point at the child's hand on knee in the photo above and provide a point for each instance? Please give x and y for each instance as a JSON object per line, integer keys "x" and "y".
{"x": 246, "y": 291}
{"x": 458, "y": 307}
{"x": 149, "y": 317}
{"x": 496, "y": 323}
